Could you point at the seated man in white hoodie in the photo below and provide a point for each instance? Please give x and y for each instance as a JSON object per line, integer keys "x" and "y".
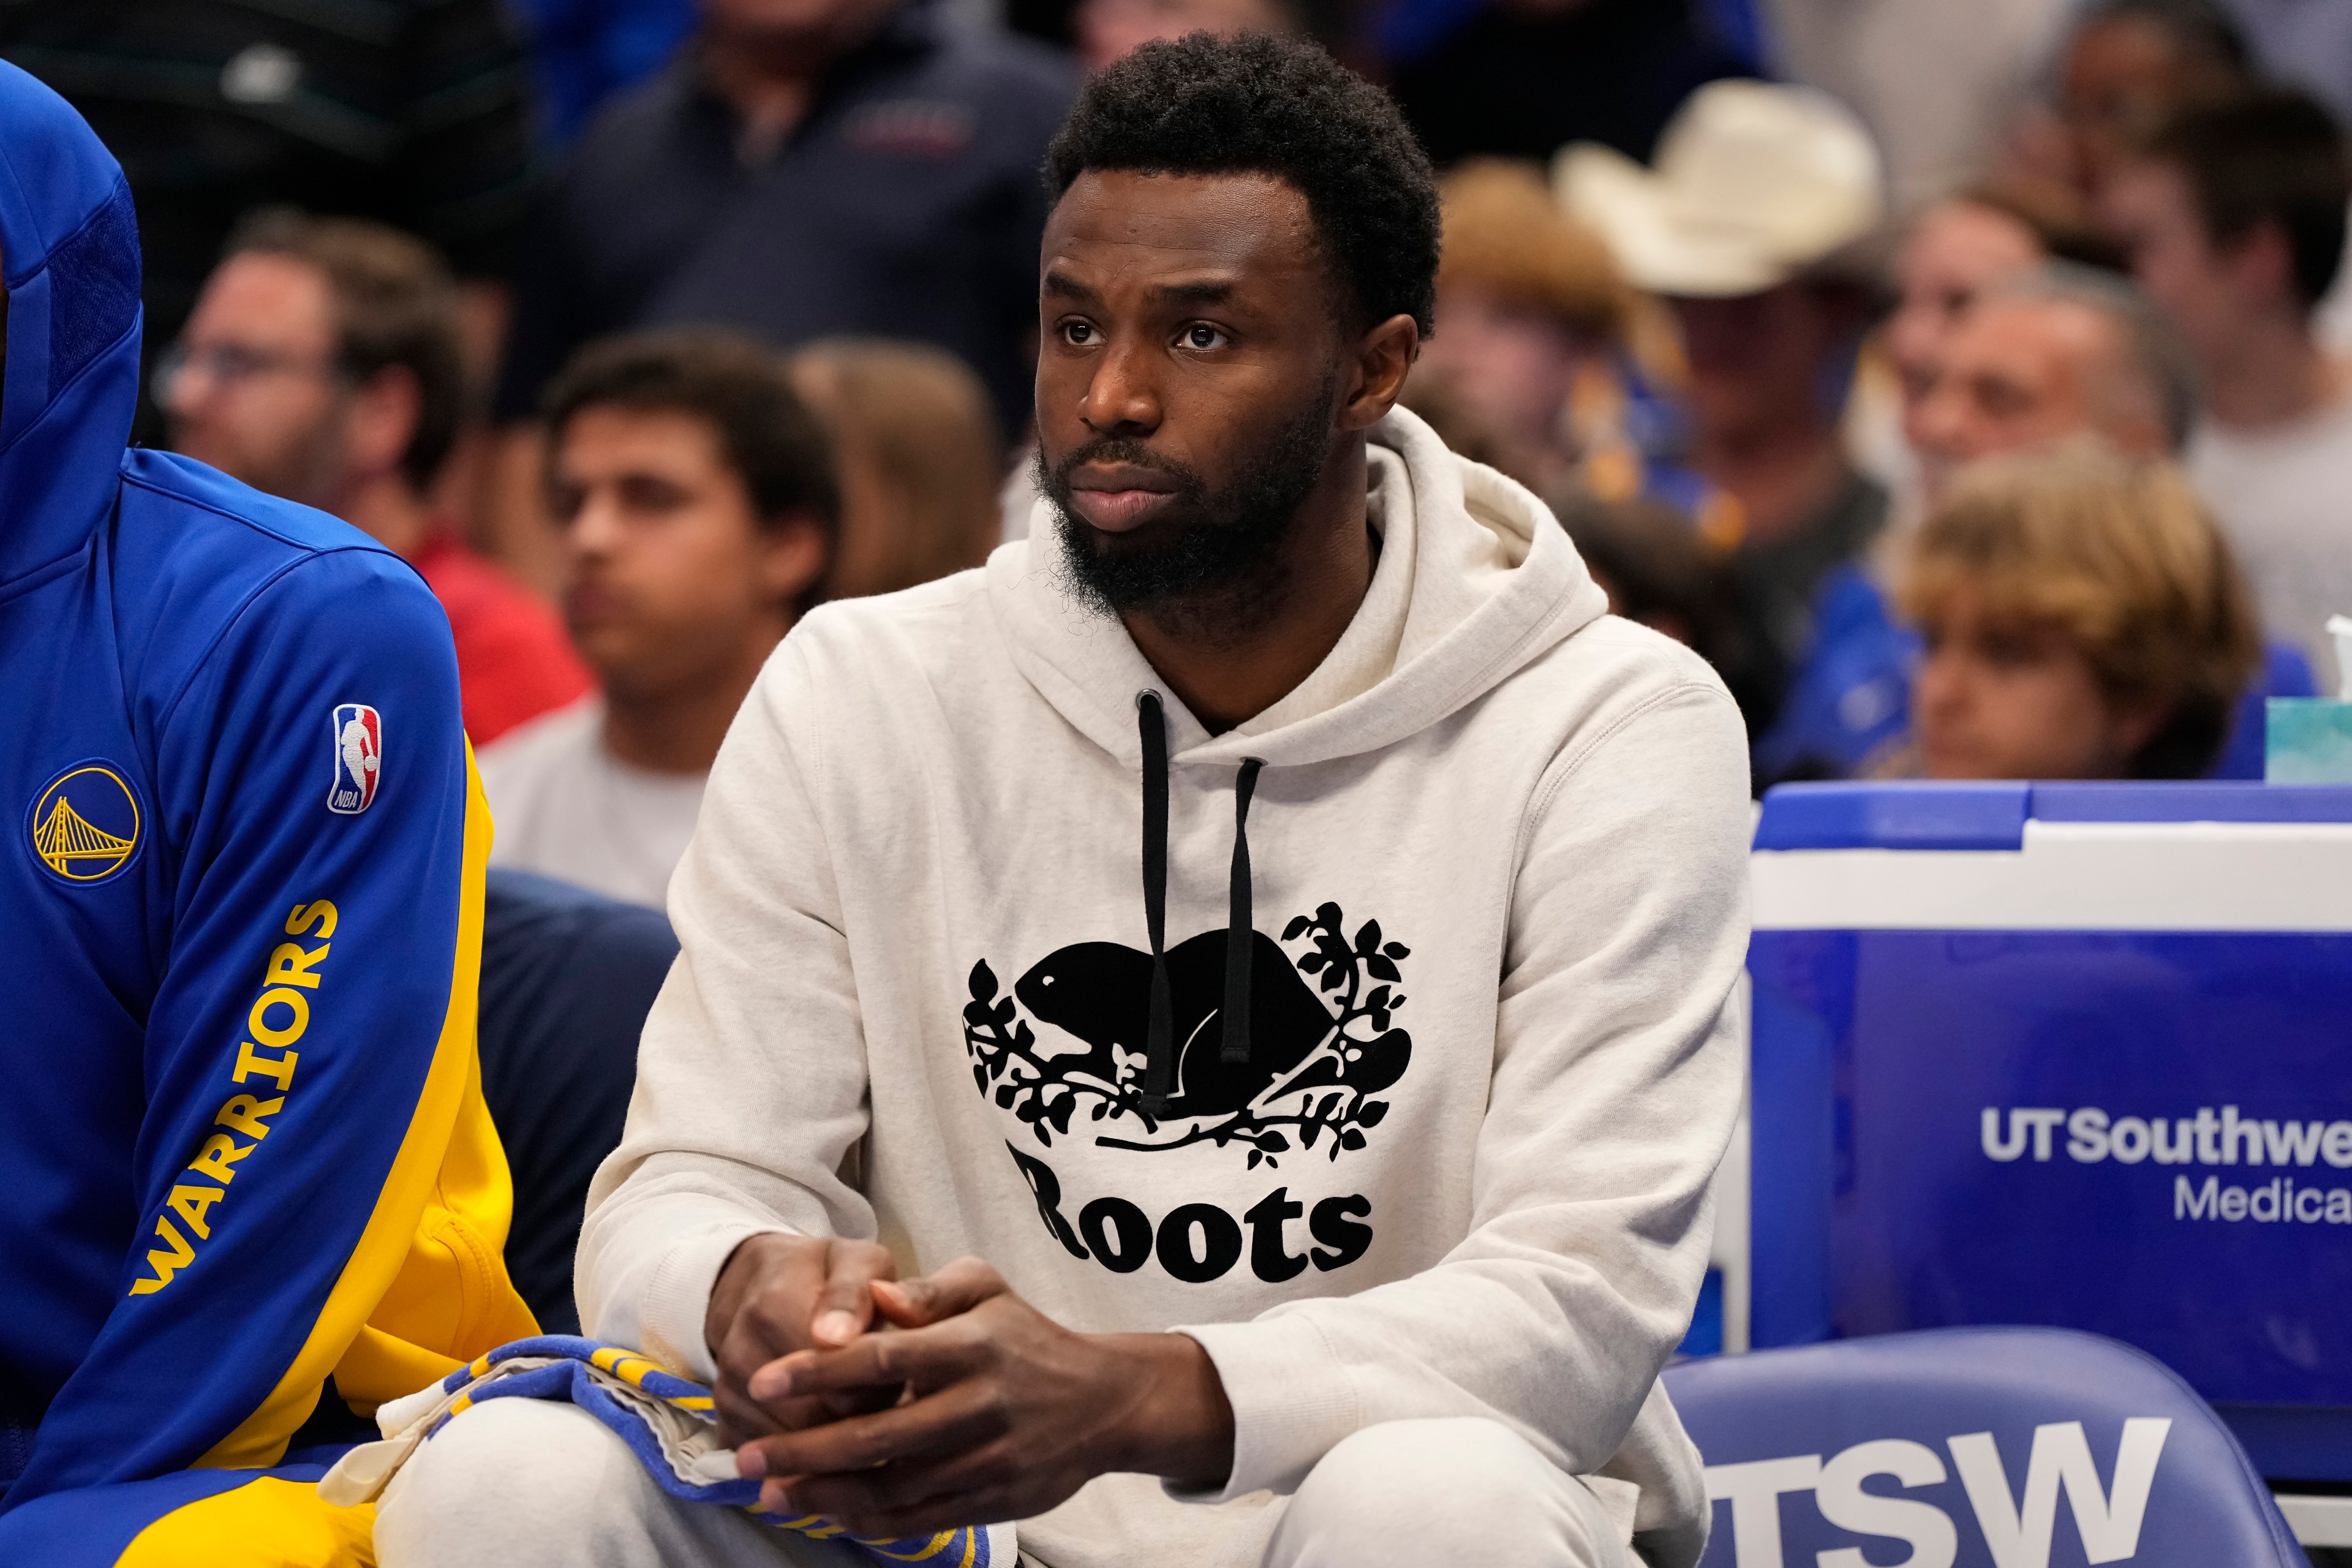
{"x": 1326, "y": 1184}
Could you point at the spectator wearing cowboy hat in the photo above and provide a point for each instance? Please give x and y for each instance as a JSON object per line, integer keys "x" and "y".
{"x": 1750, "y": 224}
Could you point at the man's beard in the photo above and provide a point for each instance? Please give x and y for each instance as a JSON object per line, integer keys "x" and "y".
{"x": 1212, "y": 562}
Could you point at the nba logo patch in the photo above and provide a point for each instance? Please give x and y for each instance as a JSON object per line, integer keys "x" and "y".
{"x": 359, "y": 758}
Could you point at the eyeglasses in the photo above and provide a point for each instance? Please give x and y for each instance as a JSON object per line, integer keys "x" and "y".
{"x": 231, "y": 366}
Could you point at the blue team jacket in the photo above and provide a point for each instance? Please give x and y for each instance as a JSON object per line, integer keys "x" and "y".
{"x": 243, "y": 1147}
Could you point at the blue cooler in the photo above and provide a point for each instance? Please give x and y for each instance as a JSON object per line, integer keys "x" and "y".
{"x": 2076, "y": 1055}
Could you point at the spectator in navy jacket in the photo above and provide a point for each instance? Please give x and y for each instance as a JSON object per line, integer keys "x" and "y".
{"x": 800, "y": 170}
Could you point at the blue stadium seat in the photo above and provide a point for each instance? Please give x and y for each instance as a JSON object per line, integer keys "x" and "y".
{"x": 568, "y": 976}
{"x": 1982, "y": 1448}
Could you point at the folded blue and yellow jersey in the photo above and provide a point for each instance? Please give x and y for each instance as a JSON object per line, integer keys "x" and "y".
{"x": 244, "y": 1149}
{"x": 667, "y": 1421}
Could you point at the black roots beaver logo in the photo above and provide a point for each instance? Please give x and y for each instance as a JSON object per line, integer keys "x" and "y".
{"x": 1312, "y": 1070}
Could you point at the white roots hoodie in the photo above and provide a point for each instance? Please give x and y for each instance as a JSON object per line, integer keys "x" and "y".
{"x": 1482, "y": 880}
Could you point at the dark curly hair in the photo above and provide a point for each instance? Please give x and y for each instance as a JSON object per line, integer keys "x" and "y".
{"x": 1257, "y": 104}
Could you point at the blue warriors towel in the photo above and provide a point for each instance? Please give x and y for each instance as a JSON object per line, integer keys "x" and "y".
{"x": 668, "y": 1421}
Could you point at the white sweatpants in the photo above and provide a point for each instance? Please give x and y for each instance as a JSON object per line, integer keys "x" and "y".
{"x": 515, "y": 1483}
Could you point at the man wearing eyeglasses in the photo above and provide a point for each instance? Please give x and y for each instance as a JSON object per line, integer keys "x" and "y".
{"x": 321, "y": 364}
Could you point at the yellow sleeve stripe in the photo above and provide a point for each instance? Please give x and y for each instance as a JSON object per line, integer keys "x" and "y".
{"x": 259, "y": 1441}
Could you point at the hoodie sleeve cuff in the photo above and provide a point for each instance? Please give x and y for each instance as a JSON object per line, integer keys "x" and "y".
{"x": 1292, "y": 1402}
{"x": 678, "y": 1298}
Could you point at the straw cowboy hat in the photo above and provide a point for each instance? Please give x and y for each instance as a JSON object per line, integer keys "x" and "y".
{"x": 1754, "y": 184}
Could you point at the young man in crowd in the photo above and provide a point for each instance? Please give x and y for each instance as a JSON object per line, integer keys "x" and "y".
{"x": 697, "y": 505}
{"x": 321, "y": 365}
{"x": 253, "y": 1183}
{"x": 2235, "y": 216}
{"x": 1748, "y": 223}
{"x": 1333, "y": 1193}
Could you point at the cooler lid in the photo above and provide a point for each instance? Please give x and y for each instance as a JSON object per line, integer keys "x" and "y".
{"x": 1937, "y": 815}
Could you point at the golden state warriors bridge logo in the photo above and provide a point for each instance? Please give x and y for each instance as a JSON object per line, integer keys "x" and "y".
{"x": 84, "y": 825}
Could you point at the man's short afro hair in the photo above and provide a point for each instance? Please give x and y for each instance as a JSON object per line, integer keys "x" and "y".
{"x": 1278, "y": 106}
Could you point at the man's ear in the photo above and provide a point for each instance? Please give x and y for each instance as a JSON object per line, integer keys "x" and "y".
{"x": 1383, "y": 359}
{"x": 382, "y": 420}
{"x": 794, "y": 556}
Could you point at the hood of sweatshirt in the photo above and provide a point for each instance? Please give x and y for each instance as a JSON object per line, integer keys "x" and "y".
{"x": 69, "y": 258}
{"x": 1475, "y": 580}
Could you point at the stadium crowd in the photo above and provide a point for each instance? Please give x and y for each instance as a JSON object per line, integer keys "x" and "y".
{"x": 1973, "y": 402}
{"x": 1742, "y": 334}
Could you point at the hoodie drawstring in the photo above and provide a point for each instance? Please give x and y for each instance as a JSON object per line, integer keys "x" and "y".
{"x": 1160, "y": 1038}
{"x": 1241, "y": 933}
{"x": 1158, "y": 1048}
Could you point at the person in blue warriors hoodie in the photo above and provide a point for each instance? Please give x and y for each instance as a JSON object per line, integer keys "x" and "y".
{"x": 247, "y": 1185}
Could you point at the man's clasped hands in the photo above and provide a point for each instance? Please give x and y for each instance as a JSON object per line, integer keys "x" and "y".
{"x": 901, "y": 1407}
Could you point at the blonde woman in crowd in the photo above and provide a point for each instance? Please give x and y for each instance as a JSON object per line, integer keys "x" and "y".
{"x": 919, "y": 459}
{"x": 2082, "y": 618}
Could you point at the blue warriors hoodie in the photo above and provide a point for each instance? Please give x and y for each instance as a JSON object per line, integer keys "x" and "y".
{"x": 244, "y": 1159}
